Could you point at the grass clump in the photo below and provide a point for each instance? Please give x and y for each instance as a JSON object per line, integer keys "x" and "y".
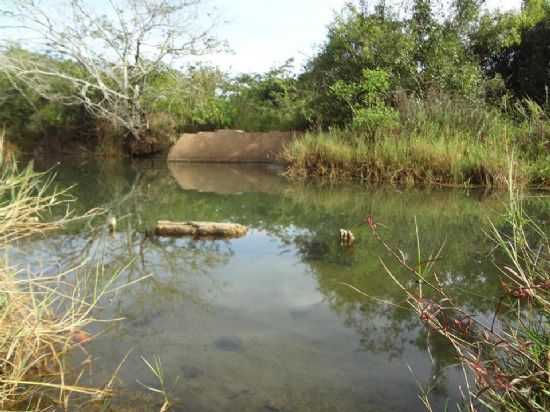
{"x": 506, "y": 357}
{"x": 34, "y": 339}
{"x": 42, "y": 318}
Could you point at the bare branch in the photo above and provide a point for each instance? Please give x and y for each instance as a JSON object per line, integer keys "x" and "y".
{"x": 101, "y": 59}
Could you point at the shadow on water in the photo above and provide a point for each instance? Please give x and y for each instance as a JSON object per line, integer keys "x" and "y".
{"x": 264, "y": 323}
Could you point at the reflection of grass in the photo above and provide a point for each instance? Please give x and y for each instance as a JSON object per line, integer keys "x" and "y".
{"x": 450, "y": 204}
{"x": 446, "y": 215}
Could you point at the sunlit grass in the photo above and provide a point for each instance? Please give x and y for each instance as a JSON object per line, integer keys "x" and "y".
{"x": 42, "y": 317}
{"x": 416, "y": 160}
{"x": 443, "y": 142}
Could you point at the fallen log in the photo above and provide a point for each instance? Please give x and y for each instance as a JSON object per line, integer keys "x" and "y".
{"x": 200, "y": 229}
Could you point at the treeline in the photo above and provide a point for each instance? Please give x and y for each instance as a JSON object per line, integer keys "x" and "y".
{"x": 429, "y": 71}
{"x": 196, "y": 98}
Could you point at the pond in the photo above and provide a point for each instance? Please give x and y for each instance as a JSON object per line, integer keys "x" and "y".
{"x": 267, "y": 322}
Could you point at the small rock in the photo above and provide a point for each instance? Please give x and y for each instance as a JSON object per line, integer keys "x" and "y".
{"x": 299, "y": 313}
{"x": 235, "y": 390}
{"x": 80, "y": 337}
{"x": 229, "y": 344}
{"x": 271, "y": 406}
{"x": 191, "y": 372}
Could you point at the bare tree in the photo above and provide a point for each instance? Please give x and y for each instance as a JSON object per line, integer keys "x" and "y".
{"x": 110, "y": 53}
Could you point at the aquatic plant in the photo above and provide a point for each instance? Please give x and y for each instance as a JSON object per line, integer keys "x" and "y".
{"x": 156, "y": 369}
{"x": 506, "y": 360}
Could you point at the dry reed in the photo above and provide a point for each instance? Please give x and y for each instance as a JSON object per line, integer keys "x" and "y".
{"x": 508, "y": 358}
{"x": 42, "y": 318}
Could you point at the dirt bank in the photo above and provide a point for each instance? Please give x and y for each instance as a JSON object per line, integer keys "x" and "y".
{"x": 229, "y": 146}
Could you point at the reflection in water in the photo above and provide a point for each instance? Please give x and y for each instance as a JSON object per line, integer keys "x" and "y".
{"x": 226, "y": 178}
{"x": 263, "y": 323}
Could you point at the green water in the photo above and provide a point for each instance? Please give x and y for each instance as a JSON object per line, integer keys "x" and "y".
{"x": 264, "y": 323}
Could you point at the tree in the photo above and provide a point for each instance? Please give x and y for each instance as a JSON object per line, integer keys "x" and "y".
{"x": 367, "y": 102}
{"x": 358, "y": 40}
{"x": 268, "y": 101}
{"x": 194, "y": 98}
{"x": 513, "y": 47}
{"x": 422, "y": 27}
{"x": 530, "y": 68}
{"x": 103, "y": 61}
{"x": 442, "y": 46}
{"x": 422, "y": 53}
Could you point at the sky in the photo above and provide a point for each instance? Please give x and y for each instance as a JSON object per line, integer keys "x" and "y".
{"x": 263, "y": 34}
{"x": 266, "y": 33}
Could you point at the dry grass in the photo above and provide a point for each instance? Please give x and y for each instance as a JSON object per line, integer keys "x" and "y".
{"x": 35, "y": 337}
{"x": 42, "y": 318}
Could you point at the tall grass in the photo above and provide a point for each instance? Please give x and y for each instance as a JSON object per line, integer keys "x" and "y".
{"x": 506, "y": 359}
{"x": 417, "y": 160}
{"x": 42, "y": 318}
{"x": 438, "y": 141}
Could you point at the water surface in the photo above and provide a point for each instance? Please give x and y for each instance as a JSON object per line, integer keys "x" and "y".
{"x": 266, "y": 322}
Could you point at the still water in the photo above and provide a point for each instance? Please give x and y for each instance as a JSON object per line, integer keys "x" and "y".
{"x": 266, "y": 322}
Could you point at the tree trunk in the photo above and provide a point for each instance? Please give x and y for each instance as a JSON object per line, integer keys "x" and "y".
{"x": 142, "y": 143}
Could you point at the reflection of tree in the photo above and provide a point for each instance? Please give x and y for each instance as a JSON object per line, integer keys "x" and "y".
{"x": 307, "y": 217}
{"x": 467, "y": 269}
{"x": 135, "y": 197}
{"x": 391, "y": 327}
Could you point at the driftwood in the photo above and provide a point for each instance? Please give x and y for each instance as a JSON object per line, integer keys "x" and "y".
{"x": 200, "y": 229}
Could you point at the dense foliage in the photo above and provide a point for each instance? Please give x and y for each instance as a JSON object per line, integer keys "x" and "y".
{"x": 444, "y": 92}
{"x": 382, "y": 73}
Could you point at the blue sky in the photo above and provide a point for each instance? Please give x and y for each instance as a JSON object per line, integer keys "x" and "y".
{"x": 264, "y": 33}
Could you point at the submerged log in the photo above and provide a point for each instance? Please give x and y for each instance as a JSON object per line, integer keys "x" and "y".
{"x": 200, "y": 229}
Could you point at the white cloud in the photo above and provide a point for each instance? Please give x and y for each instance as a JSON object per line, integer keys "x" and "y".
{"x": 264, "y": 33}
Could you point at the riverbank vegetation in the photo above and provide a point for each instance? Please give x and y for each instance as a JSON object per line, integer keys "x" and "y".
{"x": 430, "y": 96}
{"x": 442, "y": 141}
{"x": 428, "y": 92}
{"x": 506, "y": 356}
{"x": 43, "y": 315}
